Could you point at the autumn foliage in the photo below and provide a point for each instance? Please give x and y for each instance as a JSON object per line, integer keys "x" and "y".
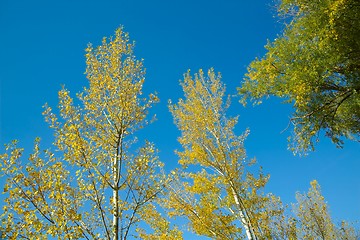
{"x": 99, "y": 182}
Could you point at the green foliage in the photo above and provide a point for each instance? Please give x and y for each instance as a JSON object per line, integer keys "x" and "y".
{"x": 314, "y": 65}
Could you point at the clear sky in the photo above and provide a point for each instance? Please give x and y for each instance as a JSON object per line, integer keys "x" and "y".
{"x": 42, "y": 47}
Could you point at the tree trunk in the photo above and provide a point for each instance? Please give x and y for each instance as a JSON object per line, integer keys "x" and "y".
{"x": 116, "y": 199}
{"x": 243, "y": 218}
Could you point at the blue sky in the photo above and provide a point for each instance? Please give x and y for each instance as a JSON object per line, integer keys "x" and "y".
{"x": 42, "y": 47}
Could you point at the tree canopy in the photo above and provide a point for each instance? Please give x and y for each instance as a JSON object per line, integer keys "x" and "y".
{"x": 224, "y": 197}
{"x": 219, "y": 191}
{"x": 99, "y": 182}
{"x": 314, "y": 65}
{"x": 95, "y": 184}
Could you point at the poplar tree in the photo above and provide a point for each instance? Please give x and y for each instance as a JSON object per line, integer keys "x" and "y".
{"x": 313, "y": 218}
{"x": 219, "y": 195}
{"x": 96, "y": 184}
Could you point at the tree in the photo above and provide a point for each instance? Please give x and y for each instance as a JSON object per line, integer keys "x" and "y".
{"x": 218, "y": 191}
{"x": 315, "y": 65}
{"x": 98, "y": 184}
{"x": 221, "y": 197}
{"x": 313, "y": 218}
{"x": 95, "y": 184}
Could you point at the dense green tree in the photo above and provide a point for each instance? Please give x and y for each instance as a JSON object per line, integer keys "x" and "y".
{"x": 315, "y": 65}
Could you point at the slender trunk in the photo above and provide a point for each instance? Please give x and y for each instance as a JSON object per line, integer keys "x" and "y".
{"x": 116, "y": 214}
{"x": 116, "y": 188}
{"x": 116, "y": 200}
{"x": 243, "y": 218}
